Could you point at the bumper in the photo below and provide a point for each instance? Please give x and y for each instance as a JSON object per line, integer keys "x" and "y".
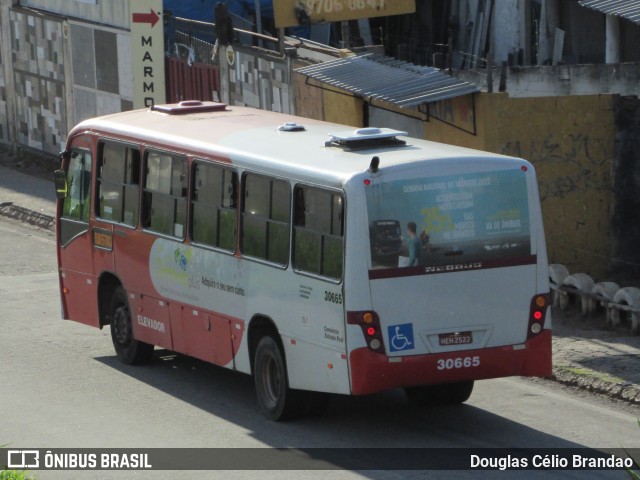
{"x": 372, "y": 372}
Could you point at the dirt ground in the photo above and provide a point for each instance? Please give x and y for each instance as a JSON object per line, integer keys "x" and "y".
{"x": 29, "y": 162}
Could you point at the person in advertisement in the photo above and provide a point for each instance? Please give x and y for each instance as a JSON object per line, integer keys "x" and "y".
{"x": 414, "y": 245}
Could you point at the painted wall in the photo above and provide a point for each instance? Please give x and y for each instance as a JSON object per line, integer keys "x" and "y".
{"x": 456, "y": 121}
{"x": 562, "y": 80}
{"x": 341, "y": 108}
{"x": 309, "y": 101}
{"x": 406, "y": 120}
{"x": 571, "y": 143}
{"x": 324, "y": 102}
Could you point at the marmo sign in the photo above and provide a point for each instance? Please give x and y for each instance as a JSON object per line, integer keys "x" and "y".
{"x": 147, "y": 53}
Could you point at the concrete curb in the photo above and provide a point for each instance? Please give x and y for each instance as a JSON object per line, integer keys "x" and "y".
{"x": 626, "y": 392}
{"x": 8, "y": 209}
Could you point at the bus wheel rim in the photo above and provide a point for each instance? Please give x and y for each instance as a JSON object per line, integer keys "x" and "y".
{"x": 271, "y": 380}
{"x": 121, "y": 325}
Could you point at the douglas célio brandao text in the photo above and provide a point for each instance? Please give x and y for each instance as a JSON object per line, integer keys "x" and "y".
{"x": 549, "y": 461}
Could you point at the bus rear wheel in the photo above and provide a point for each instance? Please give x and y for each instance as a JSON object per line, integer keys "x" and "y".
{"x": 445, "y": 394}
{"x": 129, "y": 350}
{"x": 277, "y": 400}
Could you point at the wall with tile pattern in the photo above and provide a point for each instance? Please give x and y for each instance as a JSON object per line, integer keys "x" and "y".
{"x": 114, "y": 13}
{"x": 260, "y": 82}
{"x": 37, "y": 53}
{"x": 4, "y": 132}
{"x": 62, "y": 72}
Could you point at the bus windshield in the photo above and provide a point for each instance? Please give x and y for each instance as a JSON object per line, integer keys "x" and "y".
{"x": 444, "y": 220}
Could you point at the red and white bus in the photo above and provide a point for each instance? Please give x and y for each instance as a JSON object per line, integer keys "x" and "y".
{"x": 315, "y": 257}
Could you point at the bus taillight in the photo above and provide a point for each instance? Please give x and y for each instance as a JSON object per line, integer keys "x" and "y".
{"x": 370, "y": 324}
{"x": 537, "y": 314}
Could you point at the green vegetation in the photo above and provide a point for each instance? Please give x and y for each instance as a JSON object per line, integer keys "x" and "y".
{"x": 585, "y": 372}
{"x": 14, "y": 475}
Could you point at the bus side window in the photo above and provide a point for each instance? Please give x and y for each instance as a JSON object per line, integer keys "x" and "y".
{"x": 118, "y": 183}
{"x": 318, "y": 232}
{"x": 214, "y": 220}
{"x": 265, "y": 218}
{"x": 164, "y": 208}
{"x": 77, "y": 203}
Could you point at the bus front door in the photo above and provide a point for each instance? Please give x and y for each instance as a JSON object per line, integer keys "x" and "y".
{"x": 73, "y": 237}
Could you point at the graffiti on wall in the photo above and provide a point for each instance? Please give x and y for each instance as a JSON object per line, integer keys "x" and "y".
{"x": 458, "y": 112}
{"x": 579, "y": 162}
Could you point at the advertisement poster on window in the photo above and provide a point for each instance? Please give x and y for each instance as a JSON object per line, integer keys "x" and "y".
{"x": 449, "y": 219}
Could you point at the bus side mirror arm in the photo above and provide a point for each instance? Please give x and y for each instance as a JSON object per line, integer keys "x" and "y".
{"x": 60, "y": 181}
{"x": 60, "y": 177}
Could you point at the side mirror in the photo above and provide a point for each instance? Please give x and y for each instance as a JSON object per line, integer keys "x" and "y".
{"x": 60, "y": 181}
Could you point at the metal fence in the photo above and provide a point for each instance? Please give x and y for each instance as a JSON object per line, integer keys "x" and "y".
{"x": 190, "y": 40}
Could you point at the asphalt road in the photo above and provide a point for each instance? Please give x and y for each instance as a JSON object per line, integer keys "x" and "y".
{"x": 61, "y": 386}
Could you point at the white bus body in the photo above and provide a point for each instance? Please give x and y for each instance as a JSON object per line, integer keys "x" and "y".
{"x": 327, "y": 303}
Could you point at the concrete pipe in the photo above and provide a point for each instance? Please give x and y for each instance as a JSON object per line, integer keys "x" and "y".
{"x": 583, "y": 284}
{"x": 628, "y": 296}
{"x": 605, "y": 291}
{"x": 557, "y": 274}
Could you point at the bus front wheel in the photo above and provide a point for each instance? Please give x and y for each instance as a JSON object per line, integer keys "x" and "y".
{"x": 446, "y": 394}
{"x": 129, "y": 350}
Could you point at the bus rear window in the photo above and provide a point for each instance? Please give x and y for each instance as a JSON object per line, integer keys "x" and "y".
{"x": 449, "y": 219}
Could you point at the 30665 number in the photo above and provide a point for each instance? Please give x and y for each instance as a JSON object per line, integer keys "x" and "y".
{"x": 333, "y": 297}
{"x": 460, "y": 362}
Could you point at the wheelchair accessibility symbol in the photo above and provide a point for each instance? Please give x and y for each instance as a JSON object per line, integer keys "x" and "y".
{"x": 401, "y": 337}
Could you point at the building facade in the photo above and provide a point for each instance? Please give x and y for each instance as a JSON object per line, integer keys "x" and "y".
{"x": 559, "y": 82}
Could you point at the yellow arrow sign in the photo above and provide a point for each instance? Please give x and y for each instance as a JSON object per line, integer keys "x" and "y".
{"x": 290, "y": 13}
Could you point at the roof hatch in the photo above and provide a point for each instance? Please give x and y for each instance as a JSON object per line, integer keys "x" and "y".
{"x": 189, "y": 106}
{"x": 364, "y": 138}
{"x": 291, "y": 127}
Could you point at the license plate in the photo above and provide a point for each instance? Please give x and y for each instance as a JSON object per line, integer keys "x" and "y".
{"x": 455, "y": 338}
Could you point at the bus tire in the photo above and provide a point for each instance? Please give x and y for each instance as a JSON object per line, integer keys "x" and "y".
{"x": 277, "y": 400}
{"x": 129, "y": 350}
{"x": 445, "y": 394}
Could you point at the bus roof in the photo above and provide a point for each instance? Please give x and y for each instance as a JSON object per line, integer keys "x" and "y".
{"x": 249, "y": 137}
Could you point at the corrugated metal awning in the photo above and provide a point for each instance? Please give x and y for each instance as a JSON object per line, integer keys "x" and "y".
{"x": 629, "y": 9}
{"x": 388, "y": 79}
